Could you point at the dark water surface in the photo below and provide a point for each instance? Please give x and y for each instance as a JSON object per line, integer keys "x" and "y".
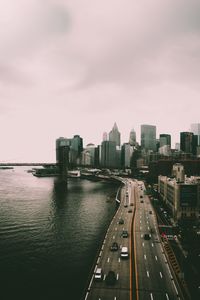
{"x": 50, "y": 233}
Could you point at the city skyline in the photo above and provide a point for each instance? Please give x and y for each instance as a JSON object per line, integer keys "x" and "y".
{"x": 76, "y": 68}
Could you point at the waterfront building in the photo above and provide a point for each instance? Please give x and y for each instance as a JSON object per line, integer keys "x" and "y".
{"x": 114, "y": 135}
{"x": 181, "y": 194}
{"x": 108, "y": 155}
{"x": 88, "y": 155}
{"x": 76, "y": 150}
{"x": 148, "y": 137}
{"x": 132, "y": 138}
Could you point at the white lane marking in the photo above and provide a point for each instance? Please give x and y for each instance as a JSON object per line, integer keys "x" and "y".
{"x": 140, "y": 221}
{"x": 113, "y": 237}
{"x": 115, "y": 298}
{"x": 169, "y": 272}
{"x": 161, "y": 275}
{"x": 145, "y": 257}
{"x": 98, "y": 260}
{"x": 147, "y": 222}
{"x": 100, "y": 253}
{"x": 119, "y": 260}
{"x": 147, "y": 273}
{"x": 104, "y": 277}
{"x": 156, "y": 258}
{"x": 86, "y": 296}
{"x": 167, "y": 296}
{"x": 117, "y": 276}
{"x": 151, "y": 295}
{"x": 143, "y": 244}
{"x": 152, "y": 244}
{"x": 102, "y": 247}
{"x": 141, "y": 235}
{"x": 140, "y": 227}
{"x": 108, "y": 259}
{"x": 148, "y": 228}
{"x": 175, "y": 287}
{"x": 90, "y": 282}
{"x": 115, "y": 228}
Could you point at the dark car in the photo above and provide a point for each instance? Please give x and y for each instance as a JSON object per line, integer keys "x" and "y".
{"x": 131, "y": 204}
{"x": 130, "y": 210}
{"x": 147, "y": 236}
{"x": 121, "y": 221}
{"x": 114, "y": 247}
{"x": 124, "y": 233}
{"x": 110, "y": 278}
{"x": 150, "y": 212}
{"x": 141, "y": 201}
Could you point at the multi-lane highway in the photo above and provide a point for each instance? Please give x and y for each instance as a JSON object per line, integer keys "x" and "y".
{"x": 111, "y": 260}
{"x": 154, "y": 279}
{"x": 145, "y": 274}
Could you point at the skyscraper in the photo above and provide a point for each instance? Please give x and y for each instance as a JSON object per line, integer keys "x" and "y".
{"x": 108, "y": 154}
{"x": 76, "y": 149}
{"x": 148, "y": 137}
{"x": 195, "y": 129}
{"x": 114, "y": 135}
{"x": 132, "y": 138}
{"x": 165, "y": 144}
{"x": 105, "y": 136}
{"x": 62, "y": 154}
{"x": 188, "y": 142}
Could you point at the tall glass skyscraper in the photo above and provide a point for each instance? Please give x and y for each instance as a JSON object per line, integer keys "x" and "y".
{"x": 148, "y": 137}
{"x": 132, "y": 138}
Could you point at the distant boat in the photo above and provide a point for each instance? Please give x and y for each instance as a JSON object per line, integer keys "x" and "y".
{"x": 74, "y": 174}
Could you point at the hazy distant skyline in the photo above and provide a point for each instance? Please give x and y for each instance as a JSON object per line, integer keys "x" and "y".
{"x": 76, "y": 67}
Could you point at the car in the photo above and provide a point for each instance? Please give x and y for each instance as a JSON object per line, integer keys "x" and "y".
{"x": 150, "y": 212}
{"x": 130, "y": 210}
{"x": 98, "y": 276}
{"x": 124, "y": 252}
{"x": 125, "y": 205}
{"x": 110, "y": 278}
{"x": 141, "y": 196}
{"x": 147, "y": 236}
{"x": 121, "y": 221}
{"x": 124, "y": 234}
{"x": 131, "y": 204}
{"x": 141, "y": 201}
{"x": 114, "y": 246}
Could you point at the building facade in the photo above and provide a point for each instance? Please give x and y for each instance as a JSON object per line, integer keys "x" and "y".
{"x": 114, "y": 135}
{"x": 181, "y": 194}
{"x": 148, "y": 137}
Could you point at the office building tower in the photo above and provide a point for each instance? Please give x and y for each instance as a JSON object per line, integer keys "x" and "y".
{"x": 126, "y": 155}
{"x": 108, "y": 154}
{"x": 188, "y": 142}
{"x": 76, "y": 149}
{"x": 132, "y": 138}
{"x": 165, "y": 144}
{"x": 88, "y": 155}
{"x": 195, "y": 129}
{"x": 148, "y": 137}
{"x": 114, "y": 135}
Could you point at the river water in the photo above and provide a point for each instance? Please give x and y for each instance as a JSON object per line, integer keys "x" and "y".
{"x": 50, "y": 233}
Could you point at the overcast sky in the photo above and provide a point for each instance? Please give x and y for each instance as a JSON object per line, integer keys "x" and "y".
{"x": 76, "y": 66}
